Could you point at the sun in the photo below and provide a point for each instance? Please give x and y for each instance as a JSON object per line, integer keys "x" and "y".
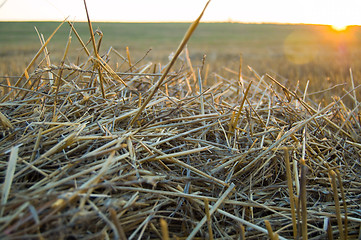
{"x": 339, "y": 27}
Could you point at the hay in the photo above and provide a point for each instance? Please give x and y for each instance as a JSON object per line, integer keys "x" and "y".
{"x": 153, "y": 152}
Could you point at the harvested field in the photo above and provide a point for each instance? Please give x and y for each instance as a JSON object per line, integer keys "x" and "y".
{"x": 174, "y": 151}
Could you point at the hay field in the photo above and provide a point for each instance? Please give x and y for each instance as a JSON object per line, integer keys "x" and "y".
{"x": 98, "y": 142}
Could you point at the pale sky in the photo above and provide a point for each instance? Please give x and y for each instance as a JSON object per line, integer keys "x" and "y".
{"x": 341, "y": 12}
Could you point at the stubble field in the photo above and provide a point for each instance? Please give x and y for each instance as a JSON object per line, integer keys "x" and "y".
{"x": 294, "y": 54}
{"x": 253, "y": 133}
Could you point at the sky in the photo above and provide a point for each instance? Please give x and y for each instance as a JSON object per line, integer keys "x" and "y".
{"x": 331, "y": 12}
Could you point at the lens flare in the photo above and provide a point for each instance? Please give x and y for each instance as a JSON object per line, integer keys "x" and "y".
{"x": 300, "y": 48}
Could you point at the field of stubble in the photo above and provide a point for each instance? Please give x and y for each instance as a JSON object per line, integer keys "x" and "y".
{"x": 254, "y": 133}
{"x": 294, "y": 54}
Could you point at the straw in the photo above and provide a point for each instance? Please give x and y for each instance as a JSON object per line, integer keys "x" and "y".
{"x": 8, "y": 178}
{"x": 157, "y": 151}
{"x": 164, "y": 228}
{"x": 5, "y": 121}
{"x": 303, "y": 200}
{"x": 209, "y": 220}
{"x": 337, "y": 204}
{"x": 343, "y": 200}
{"x": 212, "y": 210}
{"x": 271, "y": 234}
{"x": 290, "y": 191}
{"x": 186, "y": 37}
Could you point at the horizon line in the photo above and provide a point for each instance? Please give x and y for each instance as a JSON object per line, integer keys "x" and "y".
{"x": 239, "y": 22}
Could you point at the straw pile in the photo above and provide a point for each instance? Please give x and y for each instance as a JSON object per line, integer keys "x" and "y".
{"x": 155, "y": 152}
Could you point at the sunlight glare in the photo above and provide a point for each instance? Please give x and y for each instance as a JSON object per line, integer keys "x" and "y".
{"x": 339, "y": 27}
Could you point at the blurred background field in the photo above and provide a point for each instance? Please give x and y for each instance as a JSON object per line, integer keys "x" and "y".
{"x": 293, "y": 54}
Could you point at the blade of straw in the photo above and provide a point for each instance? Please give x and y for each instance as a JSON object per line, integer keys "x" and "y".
{"x": 235, "y": 120}
{"x": 186, "y": 37}
{"x": 184, "y": 153}
{"x": 213, "y": 209}
{"x": 164, "y": 228}
{"x": 343, "y": 201}
{"x": 271, "y": 234}
{"x": 46, "y": 54}
{"x": 337, "y": 204}
{"x": 58, "y": 147}
{"x": 5, "y": 121}
{"x": 303, "y": 199}
{"x": 242, "y": 221}
{"x": 209, "y": 221}
{"x": 290, "y": 192}
{"x": 353, "y": 89}
{"x": 9, "y": 177}
{"x": 59, "y": 78}
{"x": 116, "y": 222}
{"x": 95, "y": 50}
{"x": 79, "y": 38}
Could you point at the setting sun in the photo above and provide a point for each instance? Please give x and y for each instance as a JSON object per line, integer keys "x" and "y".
{"x": 339, "y": 27}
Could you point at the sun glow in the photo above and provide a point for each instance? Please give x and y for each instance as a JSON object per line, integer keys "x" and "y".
{"x": 339, "y": 27}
